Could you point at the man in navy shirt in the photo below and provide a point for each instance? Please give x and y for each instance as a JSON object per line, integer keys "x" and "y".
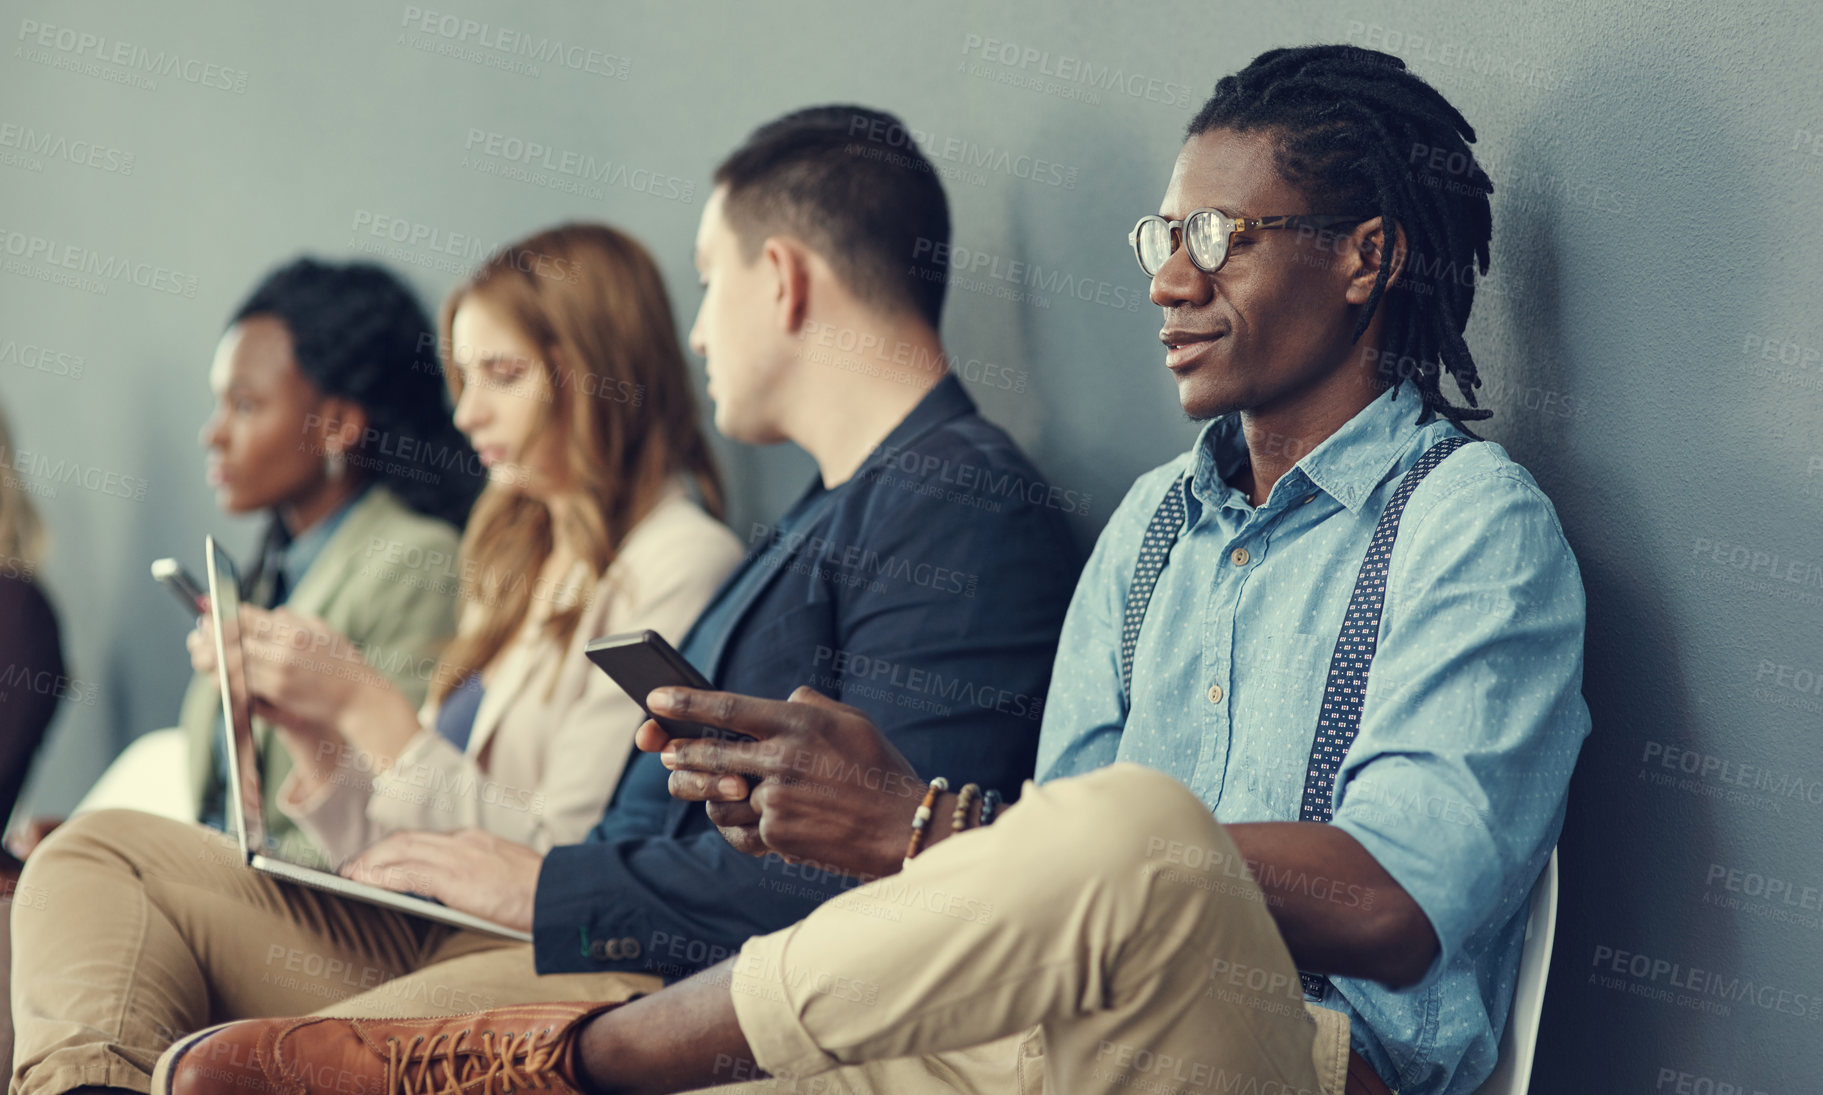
{"x": 922, "y": 577}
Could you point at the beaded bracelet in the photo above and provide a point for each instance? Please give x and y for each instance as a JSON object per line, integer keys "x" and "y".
{"x": 964, "y": 800}
{"x": 990, "y": 804}
{"x": 922, "y": 817}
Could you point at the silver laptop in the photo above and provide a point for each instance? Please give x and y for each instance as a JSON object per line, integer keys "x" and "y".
{"x": 249, "y": 819}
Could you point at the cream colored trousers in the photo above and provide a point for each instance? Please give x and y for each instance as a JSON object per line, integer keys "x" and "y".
{"x": 140, "y": 930}
{"x": 1104, "y": 936}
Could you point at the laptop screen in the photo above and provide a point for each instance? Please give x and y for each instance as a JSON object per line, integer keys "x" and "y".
{"x": 243, "y": 775}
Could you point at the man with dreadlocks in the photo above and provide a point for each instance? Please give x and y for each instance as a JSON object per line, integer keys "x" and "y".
{"x": 1249, "y": 864}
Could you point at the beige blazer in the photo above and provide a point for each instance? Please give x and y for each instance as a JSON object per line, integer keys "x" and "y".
{"x": 553, "y": 733}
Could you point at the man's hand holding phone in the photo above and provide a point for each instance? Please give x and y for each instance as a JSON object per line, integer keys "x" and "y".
{"x": 818, "y": 781}
{"x": 640, "y": 661}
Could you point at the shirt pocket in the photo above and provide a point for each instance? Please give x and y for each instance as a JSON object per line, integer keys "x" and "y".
{"x": 1278, "y": 689}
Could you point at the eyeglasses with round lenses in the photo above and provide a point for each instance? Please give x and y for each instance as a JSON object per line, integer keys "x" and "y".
{"x": 1206, "y": 232}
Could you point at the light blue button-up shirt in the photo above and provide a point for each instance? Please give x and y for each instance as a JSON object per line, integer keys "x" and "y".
{"x": 1471, "y": 721}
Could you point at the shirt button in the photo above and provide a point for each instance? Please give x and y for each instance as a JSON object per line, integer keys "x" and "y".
{"x": 1215, "y": 693}
{"x": 1239, "y": 557}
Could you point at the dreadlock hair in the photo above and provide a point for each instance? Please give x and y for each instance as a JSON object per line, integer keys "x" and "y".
{"x": 1359, "y": 135}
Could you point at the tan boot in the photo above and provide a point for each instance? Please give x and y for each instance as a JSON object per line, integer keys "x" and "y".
{"x": 526, "y": 1046}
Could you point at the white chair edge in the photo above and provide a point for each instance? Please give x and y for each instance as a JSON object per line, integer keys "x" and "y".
{"x": 1513, "y": 1072}
{"x": 150, "y": 774}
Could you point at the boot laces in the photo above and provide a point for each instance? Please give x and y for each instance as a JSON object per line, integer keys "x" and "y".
{"x": 449, "y": 1063}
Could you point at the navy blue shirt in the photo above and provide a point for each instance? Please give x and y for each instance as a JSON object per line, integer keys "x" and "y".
{"x": 456, "y": 714}
{"x": 927, "y": 590}
{"x": 766, "y": 548}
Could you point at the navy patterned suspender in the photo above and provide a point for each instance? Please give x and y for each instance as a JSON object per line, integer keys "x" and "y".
{"x": 1161, "y": 532}
{"x": 1340, "y": 718}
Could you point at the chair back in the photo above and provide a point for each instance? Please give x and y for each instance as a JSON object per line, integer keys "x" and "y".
{"x": 1513, "y": 1072}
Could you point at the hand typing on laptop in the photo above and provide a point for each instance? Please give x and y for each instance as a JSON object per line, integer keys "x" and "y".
{"x": 470, "y": 870}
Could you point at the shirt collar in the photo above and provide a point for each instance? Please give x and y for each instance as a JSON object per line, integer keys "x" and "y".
{"x": 301, "y": 551}
{"x": 1347, "y": 465}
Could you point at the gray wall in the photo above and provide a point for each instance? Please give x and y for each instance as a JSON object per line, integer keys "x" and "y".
{"x": 1650, "y": 335}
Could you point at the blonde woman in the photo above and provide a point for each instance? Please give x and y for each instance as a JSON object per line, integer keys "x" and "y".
{"x": 600, "y": 515}
{"x": 31, "y": 653}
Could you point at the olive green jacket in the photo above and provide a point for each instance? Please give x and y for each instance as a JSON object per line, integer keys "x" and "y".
{"x": 388, "y": 579}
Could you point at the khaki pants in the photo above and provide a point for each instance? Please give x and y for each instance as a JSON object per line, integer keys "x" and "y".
{"x": 141, "y": 930}
{"x": 1102, "y": 937}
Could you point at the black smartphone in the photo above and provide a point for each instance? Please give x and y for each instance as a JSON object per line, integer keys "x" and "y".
{"x": 172, "y": 575}
{"x": 640, "y": 661}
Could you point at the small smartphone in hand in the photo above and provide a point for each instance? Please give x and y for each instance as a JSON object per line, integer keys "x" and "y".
{"x": 640, "y": 661}
{"x": 172, "y": 575}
